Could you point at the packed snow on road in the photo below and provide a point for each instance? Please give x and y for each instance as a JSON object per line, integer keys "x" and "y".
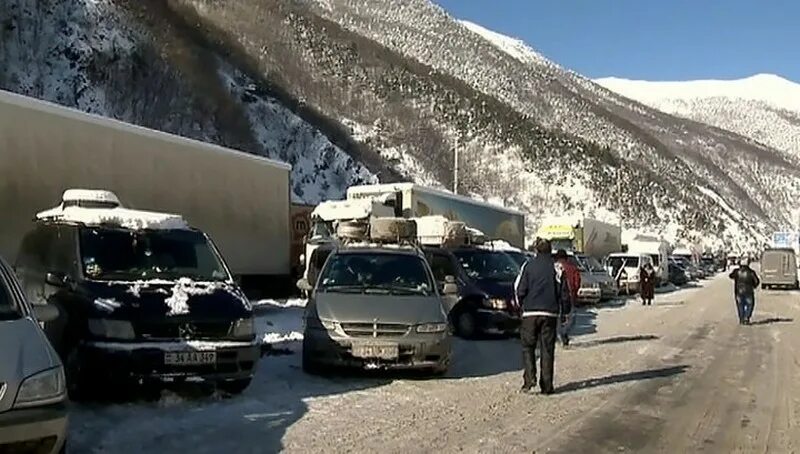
{"x": 620, "y": 350}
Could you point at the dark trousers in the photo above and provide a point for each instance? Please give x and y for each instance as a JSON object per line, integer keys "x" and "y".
{"x": 744, "y": 307}
{"x": 538, "y": 331}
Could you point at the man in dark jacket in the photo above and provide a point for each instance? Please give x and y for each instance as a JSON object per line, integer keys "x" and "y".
{"x": 545, "y": 301}
{"x": 745, "y": 281}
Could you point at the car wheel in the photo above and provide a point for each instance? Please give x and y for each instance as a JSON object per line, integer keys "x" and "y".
{"x": 465, "y": 324}
{"x": 234, "y": 387}
{"x": 310, "y": 366}
{"x": 79, "y": 383}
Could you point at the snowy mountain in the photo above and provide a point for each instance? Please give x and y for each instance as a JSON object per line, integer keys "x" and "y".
{"x": 763, "y": 107}
{"x": 365, "y": 90}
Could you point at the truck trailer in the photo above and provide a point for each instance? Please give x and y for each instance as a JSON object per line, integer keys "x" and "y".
{"x": 412, "y": 201}
{"x": 241, "y": 200}
{"x": 582, "y": 235}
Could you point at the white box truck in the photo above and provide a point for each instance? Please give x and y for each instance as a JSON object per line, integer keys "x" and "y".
{"x": 413, "y": 201}
{"x": 582, "y": 235}
{"x": 242, "y": 201}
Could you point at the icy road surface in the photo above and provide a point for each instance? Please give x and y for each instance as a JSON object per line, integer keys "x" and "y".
{"x": 681, "y": 376}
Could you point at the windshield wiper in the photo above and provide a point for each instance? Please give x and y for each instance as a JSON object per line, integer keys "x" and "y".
{"x": 344, "y": 288}
{"x": 395, "y": 289}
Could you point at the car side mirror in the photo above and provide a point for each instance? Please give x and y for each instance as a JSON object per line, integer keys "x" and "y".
{"x": 56, "y": 279}
{"x": 304, "y": 285}
{"x": 46, "y": 313}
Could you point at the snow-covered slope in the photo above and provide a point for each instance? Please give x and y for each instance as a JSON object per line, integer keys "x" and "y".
{"x": 767, "y": 88}
{"x": 91, "y": 55}
{"x": 764, "y": 107}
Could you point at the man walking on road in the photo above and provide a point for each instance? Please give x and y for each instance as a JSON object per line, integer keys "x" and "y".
{"x": 570, "y": 273}
{"x": 745, "y": 281}
{"x": 544, "y": 303}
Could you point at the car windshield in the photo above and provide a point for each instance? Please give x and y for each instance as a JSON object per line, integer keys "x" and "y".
{"x": 519, "y": 257}
{"x": 592, "y": 264}
{"x": 8, "y": 310}
{"x": 493, "y": 265}
{"x": 371, "y": 272}
{"x": 120, "y": 254}
{"x": 623, "y": 262}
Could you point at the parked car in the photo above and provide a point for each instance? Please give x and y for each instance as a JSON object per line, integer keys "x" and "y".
{"x": 779, "y": 269}
{"x": 376, "y": 307}
{"x": 695, "y": 273}
{"x": 590, "y": 291}
{"x": 485, "y": 281}
{"x": 608, "y": 286}
{"x": 145, "y": 298}
{"x": 33, "y": 411}
{"x": 677, "y": 275}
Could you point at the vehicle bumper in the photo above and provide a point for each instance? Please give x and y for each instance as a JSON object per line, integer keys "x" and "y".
{"x": 235, "y": 360}
{"x": 421, "y": 351}
{"x": 590, "y": 295}
{"x": 38, "y": 429}
{"x": 497, "y": 321}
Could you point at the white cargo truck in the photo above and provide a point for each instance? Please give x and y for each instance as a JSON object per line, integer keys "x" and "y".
{"x": 582, "y": 235}
{"x": 241, "y": 200}
{"x": 411, "y": 201}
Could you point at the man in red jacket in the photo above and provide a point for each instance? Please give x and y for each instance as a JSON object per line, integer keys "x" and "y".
{"x": 572, "y": 275}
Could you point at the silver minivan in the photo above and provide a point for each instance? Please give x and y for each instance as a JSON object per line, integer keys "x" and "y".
{"x": 33, "y": 414}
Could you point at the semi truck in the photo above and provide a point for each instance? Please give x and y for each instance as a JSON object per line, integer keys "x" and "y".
{"x": 582, "y": 235}
{"x": 412, "y": 201}
{"x": 241, "y": 200}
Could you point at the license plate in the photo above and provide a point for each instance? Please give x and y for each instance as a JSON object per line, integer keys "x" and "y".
{"x": 189, "y": 358}
{"x": 371, "y": 351}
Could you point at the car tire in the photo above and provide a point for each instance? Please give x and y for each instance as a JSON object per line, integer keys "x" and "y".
{"x": 234, "y": 387}
{"x": 465, "y": 324}
{"x": 310, "y": 366}
{"x": 79, "y": 384}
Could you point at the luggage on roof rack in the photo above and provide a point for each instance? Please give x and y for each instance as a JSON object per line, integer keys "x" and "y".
{"x": 392, "y": 230}
{"x": 352, "y": 230}
{"x": 440, "y": 231}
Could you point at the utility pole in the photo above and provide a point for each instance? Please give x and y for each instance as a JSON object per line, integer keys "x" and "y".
{"x": 455, "y": 166}
{"x": 619, "y": 195}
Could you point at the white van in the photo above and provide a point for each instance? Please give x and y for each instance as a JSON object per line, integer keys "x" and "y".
{"x": 624, "y": 268}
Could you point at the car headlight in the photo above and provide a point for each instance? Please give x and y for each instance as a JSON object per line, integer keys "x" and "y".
{"x": 634, "y": 278}
{"x": 111, "y": 329}
{"x": 44, "y": 388}
{"x": 495, "y": 303}
{"x": 432, "y": 328}
{"x": 243, "y": 329}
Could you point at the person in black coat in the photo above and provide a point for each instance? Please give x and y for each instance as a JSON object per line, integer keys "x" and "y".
{"x": 745, "y": 282}
{"x": 544, "y": 299}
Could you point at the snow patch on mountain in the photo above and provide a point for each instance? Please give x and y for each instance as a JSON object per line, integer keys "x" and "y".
{"x": 514, "y": 47}
{"x": 769, "y": 88}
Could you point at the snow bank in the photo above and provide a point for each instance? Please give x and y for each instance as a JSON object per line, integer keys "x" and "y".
{"x": 292, "y": 302}
{"x": 122, "y": 217}
{"x": 279, "y": 322}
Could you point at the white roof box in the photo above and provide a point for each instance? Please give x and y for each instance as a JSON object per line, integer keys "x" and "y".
{"x": 440, "y": 231}
{"x": 96, "y": 207}
{"x": 90, "y": 198}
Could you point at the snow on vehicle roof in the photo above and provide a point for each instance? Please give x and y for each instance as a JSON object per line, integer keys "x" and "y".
{"x": 500, "y": 245}
{"x": 90, "y": 195}
{"x": 122, "y": 217}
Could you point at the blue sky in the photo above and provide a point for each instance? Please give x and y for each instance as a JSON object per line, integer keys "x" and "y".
{"x": 651, "y": 39}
